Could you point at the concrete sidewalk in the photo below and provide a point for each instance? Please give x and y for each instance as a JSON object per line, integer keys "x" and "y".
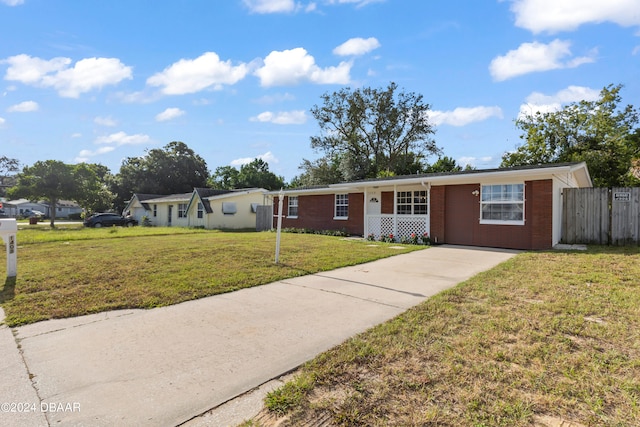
{"x": 170, "y": 365}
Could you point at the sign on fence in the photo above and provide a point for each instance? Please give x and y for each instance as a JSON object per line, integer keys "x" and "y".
{"x": 622, "y": 197}
{"x": 601, "y": 216}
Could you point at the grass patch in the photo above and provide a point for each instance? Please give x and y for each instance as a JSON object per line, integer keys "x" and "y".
{"x": 76, "y": 271}
{"x": 543, "y": 338}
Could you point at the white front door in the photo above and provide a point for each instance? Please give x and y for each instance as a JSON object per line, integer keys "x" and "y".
{"x": 374, "y": 219}
{"x": 373, "y": 203}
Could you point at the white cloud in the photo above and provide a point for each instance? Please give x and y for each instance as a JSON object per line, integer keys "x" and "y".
{"x": 194, "y": 75}
{"x": 121, "y": 138}
{"x": 567, "y": 15}
{"x": 358, "y": 3}
{"x": 357, "y": 46}
{"x": 534, "y": 57}
{"x": 270, "y": 6}
{"x": 277, "y": 98}
{"x": 474, "y": 161}
{"x": 86, "y": 75}
{"x": 85, "y": 155}
{"x": 12, "y": 2}
{"x": 105, "y": 121}
{"x": 110, "y": 143}
{"x": 463, "y": 116}
{"x": 538, "y": 102}
{"x": 24, "y": 107}
{"x": 28, "y": 70}
{"x": 267, "y": 157}
{"x": 291, "y": 67}
{"x": 2, "y": 122}
{"x": 170, "y": 114}
{"x": 636, "y": 50}
{"x": 291, "y": 6}
{"x": 297, "y": 117}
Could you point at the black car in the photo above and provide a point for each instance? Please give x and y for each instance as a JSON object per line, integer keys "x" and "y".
{"x": 109, "y": 220}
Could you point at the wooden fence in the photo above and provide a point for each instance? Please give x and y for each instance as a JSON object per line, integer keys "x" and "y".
{"x": 264, "y": 218}
{"x": 601, "y": 216}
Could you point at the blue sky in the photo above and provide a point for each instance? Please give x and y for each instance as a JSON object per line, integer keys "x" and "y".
{"x": 100, "y": 81}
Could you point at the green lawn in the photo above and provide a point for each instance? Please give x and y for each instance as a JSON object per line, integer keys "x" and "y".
{"x": 545, "y": 339}
{"x": 70, "y": 271}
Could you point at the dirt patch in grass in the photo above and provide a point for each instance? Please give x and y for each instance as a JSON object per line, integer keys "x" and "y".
{"x": 545, "y": 339}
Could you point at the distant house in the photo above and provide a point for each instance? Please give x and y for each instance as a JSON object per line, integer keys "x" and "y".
{"x": 66, "y": 208}
{"x": 203, "y": 207}
{"x": 22, "y": 207}
{"x": 518, "y": 208}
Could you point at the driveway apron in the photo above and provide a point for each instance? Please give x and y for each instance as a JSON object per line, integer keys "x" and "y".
{"x": 165, "y": 366}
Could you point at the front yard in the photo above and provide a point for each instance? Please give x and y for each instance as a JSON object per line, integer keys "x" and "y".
{"x": 71, "y": 271}
{"x": 545, "y": 339}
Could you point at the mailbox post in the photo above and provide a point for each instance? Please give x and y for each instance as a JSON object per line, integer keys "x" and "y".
{"x": 8, "y": 231}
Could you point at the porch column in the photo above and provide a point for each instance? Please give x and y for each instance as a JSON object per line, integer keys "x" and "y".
{"x": 428, "y": 224}
{"x": 395, "y": 209}
{"x": 365, "y": 232}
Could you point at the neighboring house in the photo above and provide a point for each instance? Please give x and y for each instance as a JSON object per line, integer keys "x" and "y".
{"x": 22, "y": 207}
{"x": 203, "y": 207}
{"x": 65, "y": 208}
{"x": 518, "y": 208}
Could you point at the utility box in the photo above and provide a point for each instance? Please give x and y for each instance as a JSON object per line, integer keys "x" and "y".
{"x": 8, "y": 232}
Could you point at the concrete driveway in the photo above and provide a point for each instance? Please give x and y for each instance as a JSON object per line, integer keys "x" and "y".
{"x": 170, "y": 365}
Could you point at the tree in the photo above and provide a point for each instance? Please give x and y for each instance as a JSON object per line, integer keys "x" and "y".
{"x": 443, "y": 164}
{"x": 255, "y": 174}
{"x": 373, "y": 131}
{"x": 7, "y": 166}
{"x": 224, "y": 177}
{"x": 323, "y": 171}
{"x": 173, "y": 169}
{"x": 92, "y": 192}
{"x": 598, "y": 132}
{"x": 52, "y": 180}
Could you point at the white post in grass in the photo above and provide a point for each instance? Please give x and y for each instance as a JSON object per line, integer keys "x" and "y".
{"x": 8, "y": 231}
{"x": 278, "y": 230}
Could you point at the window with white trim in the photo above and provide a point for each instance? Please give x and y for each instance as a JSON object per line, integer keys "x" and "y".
{"x": 182, "y": 210}
{"x": 293, "y": 207}
{"x": 341, "y": 206}
{"x": 412, "y": 202}
{"x": 502, "y": 204}
{"x": 200, "y": 210}
{"x": 155, "y": 210}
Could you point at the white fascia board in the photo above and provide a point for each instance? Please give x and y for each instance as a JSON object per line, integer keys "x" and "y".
{"x": 579, "y": 169}
{"x": 295, "y": 192}
{"x": 472, "y": 177}
{"x": 236, "y": 194}
{"x": 582, "y": 174}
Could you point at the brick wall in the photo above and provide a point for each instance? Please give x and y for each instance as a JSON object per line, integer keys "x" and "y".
{"x": 316, "y": 212}
{"x": 437, "y": 212}
{"x": 462, "y": 218}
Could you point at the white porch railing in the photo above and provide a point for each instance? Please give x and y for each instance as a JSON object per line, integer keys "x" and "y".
{"x": 398, "y": 225}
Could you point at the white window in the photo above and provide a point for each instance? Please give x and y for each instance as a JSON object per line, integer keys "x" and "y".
{"x": 342, "y": 206}
{"x": 412, "y": 202}
{"x": 293, "y": 207}
{"x": 502, "y": 204}
{"x": 182, "y": 210}
{"x": 200, "y": 210}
